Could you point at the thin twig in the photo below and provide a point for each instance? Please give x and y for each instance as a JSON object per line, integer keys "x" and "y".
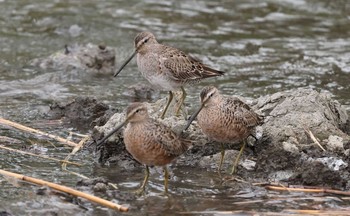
{"x": 41, "y": 156}
{"x": 289, "y": 199}
{"x": 75, "y": 150}
{"x": 286, "y": 212}
{"x": 34, "y": 131}
{"x": 268, "y": 183}
{"x": 314, "y": 138}
{"x": 316, "y": 212}
{"x": 9, "y": 140}
{"x": 68, "y": 190}
{"x": 77, "y": 134}
{"x": 310, "y": 190}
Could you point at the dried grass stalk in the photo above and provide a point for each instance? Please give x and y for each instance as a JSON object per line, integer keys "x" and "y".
{"x": 65, "y": 189}
{"x": 34, "y": 131}
{"x": 41, "y": 156}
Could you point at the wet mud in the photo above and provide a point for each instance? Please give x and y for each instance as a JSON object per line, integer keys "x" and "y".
{"x": 82, "y": 113}
{"x": 88, "y": 57}
{"x": 283, "y": 151}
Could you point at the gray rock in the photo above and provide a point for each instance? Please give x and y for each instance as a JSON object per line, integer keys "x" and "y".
{"x": 333, "y": 163}
{"x": 290, "y": 147}
{"x": 285, "y": 146}
{"x": 288, "y": 113}
{"x": 335, "y": 143}
{"x": 90, "y": 57}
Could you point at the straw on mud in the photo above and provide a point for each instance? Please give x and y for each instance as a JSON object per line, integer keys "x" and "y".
{"x": 235, "y": 212}
{"x": 287, "y": 198}
{"x": 311, "y": 135}
{"x": 285, "y": 212}
{"x": 268, "y": 183}
{"x": 65, "y": 189}
{"x": 75, "y": 150}
{"x": 9, "y": 139}
{"x": 35, "y": 155}
{"x": 77, "y": 134}
{"x": 34, "y": 131}
{"x": 316, "y": 212}
{"x": 309, "y": 190}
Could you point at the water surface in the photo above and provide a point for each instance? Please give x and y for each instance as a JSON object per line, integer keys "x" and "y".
{"x": 264, "y": 46}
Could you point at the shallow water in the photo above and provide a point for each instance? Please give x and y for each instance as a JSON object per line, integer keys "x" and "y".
{"x": 264, "y": 46}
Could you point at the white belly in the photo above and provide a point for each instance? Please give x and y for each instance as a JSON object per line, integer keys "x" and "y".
{"x": 162, "y": 83}
{"x": 149, "y": 68}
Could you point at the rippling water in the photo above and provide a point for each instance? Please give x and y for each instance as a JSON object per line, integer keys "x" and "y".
{"x": 264, "y": 46}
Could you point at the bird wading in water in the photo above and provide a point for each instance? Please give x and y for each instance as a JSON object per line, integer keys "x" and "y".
{"x": 150, "y": 142}
{"x": 225, "y": 119}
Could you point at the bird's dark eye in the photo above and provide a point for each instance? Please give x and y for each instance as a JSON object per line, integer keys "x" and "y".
{"x": 146, "y": 40}
{"x": 137, "y": 111}
{"x": 211, "y": 95}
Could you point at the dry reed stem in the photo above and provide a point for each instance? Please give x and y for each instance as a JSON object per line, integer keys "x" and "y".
{"x": 34, "y": 131}
{"x": 41, "y": 156}
{"x": 310, "y": 190}
{"x": 75, "y": 150}
{"x": 311, "y": 135}
{"x": 68, "y": 190}
{"x": 286, "y": 212}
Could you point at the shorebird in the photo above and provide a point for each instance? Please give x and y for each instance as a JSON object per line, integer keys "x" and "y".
{"x": 225, "y": 119}
{"x": 150, "y": 142}
{"x": 167, "y": 68}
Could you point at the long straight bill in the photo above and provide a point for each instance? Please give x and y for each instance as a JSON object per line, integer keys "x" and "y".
{"x": 193, "y": 117}
{"x": 125, "y": 63}
{"x": 111, "y": 133}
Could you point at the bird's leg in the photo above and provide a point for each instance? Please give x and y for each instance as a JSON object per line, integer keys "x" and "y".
{"x": 234, "y": 167}
{"x": 141, "y": 190}
{"x": 167, "y": 105}
{"x": 182, "y": 100}
{"x": 166, "y": 178}
{"x": 221, "y": 159}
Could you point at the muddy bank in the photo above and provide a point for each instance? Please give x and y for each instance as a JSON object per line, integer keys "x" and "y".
{"x": 284, "y": 151}
{"x": 287, "y": 153}
{"x": 82, "y": 113}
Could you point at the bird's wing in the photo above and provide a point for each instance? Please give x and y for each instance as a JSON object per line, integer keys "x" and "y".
{"x": 185, "y": 68}
{"x": 243, "y": 113}
{"x": 168, "y": 139}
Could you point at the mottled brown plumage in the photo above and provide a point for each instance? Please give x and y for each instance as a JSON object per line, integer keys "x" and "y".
{"x": 150, "y": 142}
{"x": 225, "y": 119}
{"x": 167, "y": 68}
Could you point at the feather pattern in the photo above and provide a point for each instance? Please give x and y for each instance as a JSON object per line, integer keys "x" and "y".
{"x": 149, "y": 141}
{"x": 166, "y": 67}
{"x": 226, "y": 119}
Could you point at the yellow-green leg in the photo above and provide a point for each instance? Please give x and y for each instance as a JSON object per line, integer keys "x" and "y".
{"x": 182, "y": 100}
{"x": 141, "y": 190}
{"x": 167, "y": 105}
{"x": 221, "y": 159}
{"x": 234, "y": 167}
{"x": 166, "y": 178}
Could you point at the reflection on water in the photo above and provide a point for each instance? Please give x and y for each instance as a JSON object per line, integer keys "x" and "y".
{"x": 265, "y": 47}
